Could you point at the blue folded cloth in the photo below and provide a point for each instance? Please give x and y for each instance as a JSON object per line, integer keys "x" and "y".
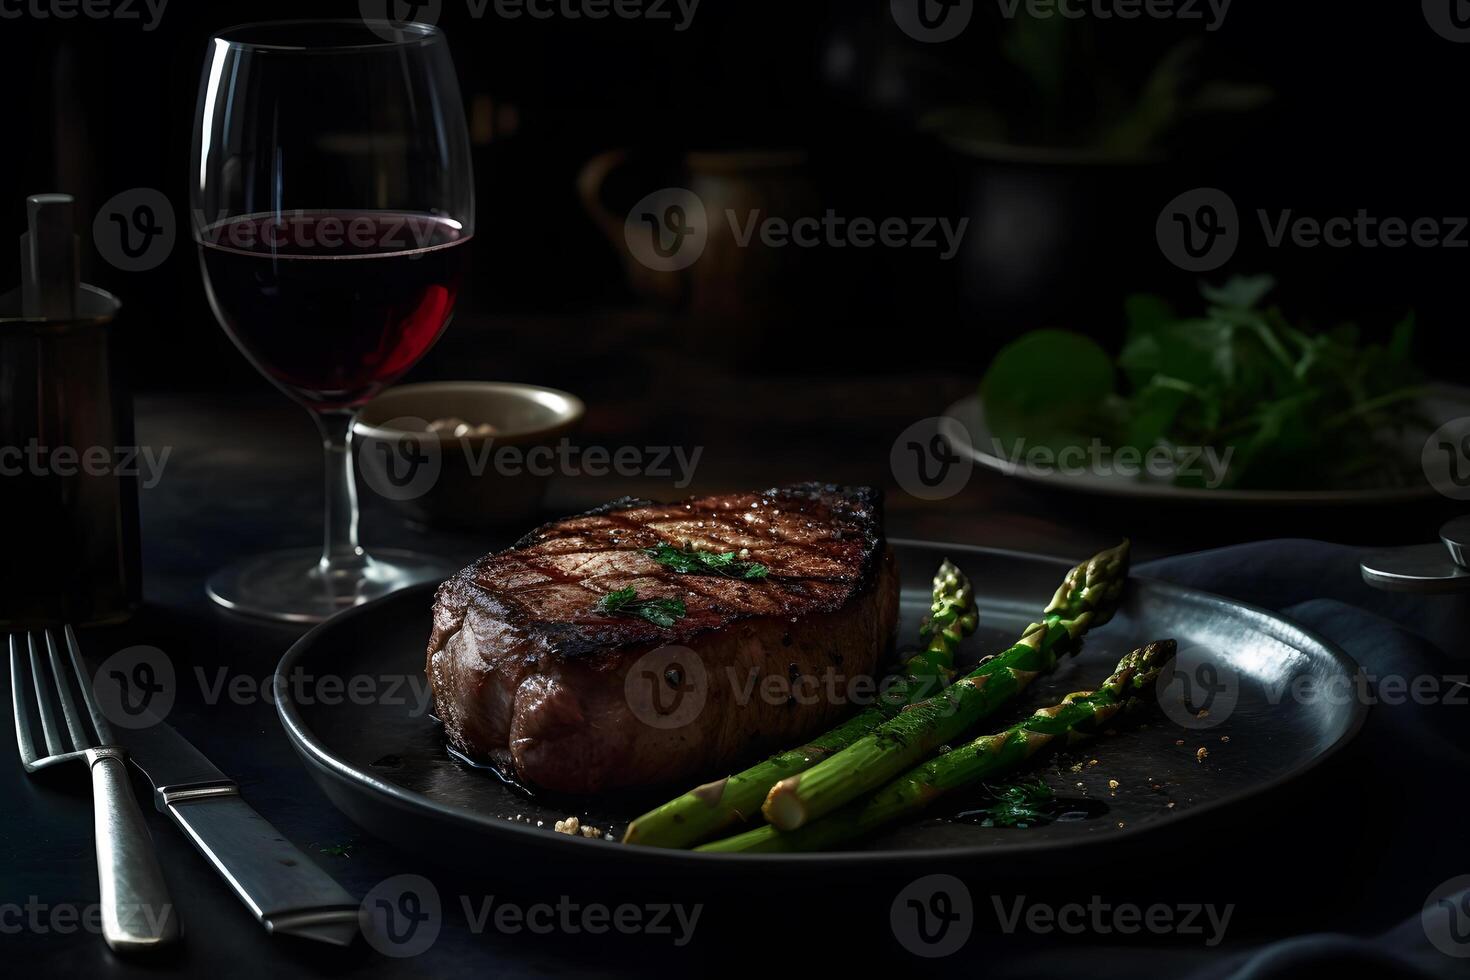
{"x": 1406, "y": 776}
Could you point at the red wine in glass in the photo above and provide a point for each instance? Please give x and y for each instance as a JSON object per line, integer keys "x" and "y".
{"x": 333, "y": 306}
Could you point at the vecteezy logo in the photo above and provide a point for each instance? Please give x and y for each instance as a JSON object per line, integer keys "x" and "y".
{"x": 135, "y": 230}
{"x": 401, "y": 459}
{"x": 1449, "y": 18}
{"x": 135, "y": 687}
{"x": 932, "y": 21}
{"x": 401, "y": 916}
{"x": 924, "y": 463}
{"x": 1446, "y": 459}
{"x": 386, "y": 18}
{"x": 666, "y": 688}
{"x": 1198, "y": 689}
{"x": 1199, "y": 230}
{"x": 1446, "y": 917}
{"x": 667, "y": 230}
{"x": 933, "y": 916}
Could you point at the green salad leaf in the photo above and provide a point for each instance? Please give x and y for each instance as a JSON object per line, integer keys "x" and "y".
{"x": 1045, "y": 387}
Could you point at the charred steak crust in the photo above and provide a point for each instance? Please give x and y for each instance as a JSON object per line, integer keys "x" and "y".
{"x": 525, "y": 671}
{"x": 855, "y": 513}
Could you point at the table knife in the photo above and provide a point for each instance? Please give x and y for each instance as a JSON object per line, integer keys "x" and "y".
{"x": 280, "y": 885}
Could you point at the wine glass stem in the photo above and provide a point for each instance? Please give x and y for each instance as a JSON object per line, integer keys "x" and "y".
{"x": 340, "y": 549}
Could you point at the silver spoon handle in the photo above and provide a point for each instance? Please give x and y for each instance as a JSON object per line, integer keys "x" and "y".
{"x": 137, "y": 913}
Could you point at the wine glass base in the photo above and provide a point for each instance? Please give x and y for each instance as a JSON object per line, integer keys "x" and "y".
{"x": 289, "y": 586}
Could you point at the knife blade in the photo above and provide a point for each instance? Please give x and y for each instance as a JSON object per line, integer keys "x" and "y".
{"x": 280, "y": 885}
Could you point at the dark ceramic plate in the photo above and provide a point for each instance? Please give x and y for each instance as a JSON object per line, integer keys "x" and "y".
{"x": 1276, "y": 712}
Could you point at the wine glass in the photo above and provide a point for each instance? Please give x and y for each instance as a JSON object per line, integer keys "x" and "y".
{"x": 332, "y": 201}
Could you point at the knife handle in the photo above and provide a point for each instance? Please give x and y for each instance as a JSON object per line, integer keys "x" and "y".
{"x": 280, "y": 885}
{"x": 137, "y": 913}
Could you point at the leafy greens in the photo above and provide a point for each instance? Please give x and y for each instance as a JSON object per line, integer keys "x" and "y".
{"x": 1286, "y": 406}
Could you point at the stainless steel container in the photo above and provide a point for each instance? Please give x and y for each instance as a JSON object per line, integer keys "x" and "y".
{"x": 68, "y": 482}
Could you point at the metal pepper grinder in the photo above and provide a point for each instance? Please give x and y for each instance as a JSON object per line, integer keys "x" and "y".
{"x": 68, "y": 477}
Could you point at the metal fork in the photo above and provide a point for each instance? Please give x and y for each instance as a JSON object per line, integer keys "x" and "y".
{"x": 137, "y": 913}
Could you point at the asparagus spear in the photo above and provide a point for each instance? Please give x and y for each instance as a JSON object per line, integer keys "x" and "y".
{"x": 705, "y": 811}
{"x": 952, "y": 617}
{"x": 1078, "y": 715}
{"x": 1087, "y": 598}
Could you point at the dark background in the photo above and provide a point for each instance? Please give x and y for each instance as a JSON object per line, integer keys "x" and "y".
{"x": 1364, "y": 116}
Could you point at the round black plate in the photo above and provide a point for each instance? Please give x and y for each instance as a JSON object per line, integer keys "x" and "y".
{"x": 380, "y": 757}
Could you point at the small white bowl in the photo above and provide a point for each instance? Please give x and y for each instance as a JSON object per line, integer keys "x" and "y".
{"x": 455, "y": 480}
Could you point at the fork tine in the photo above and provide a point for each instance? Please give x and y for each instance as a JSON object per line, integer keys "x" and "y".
{"x": 19, "y": 697}
{"x": 49, "y": 728}
{"x": 80, "y": 739}
{"x": 89, "y": 696}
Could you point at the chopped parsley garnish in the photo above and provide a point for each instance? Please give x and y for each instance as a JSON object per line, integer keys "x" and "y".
{"x": 1020, "y": 804}
{"x": 625, "y": 602}
{"x": 692, "y": 562}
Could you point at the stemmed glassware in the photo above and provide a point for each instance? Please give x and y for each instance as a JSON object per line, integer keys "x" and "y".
{"x": 332, "y": 197}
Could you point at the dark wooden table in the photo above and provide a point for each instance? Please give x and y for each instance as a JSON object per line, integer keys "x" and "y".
{"x": 243, "y": 475}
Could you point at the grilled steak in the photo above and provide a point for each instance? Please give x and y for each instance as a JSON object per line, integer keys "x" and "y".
{"x": 527, "y": 674}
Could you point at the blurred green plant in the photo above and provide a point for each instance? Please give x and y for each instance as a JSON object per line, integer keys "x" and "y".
{"x": 1060, "y": 95}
